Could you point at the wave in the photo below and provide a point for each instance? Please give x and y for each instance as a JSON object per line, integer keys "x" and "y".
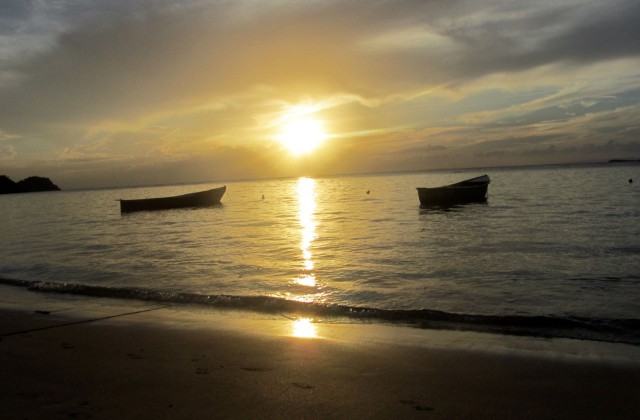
{"x": 596, "y": 329}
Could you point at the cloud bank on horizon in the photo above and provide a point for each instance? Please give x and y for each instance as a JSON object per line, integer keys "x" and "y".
{"x": 130, "y": 92}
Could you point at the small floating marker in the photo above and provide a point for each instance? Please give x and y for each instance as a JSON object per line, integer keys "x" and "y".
{"x": 630, "y": 180}
{"x": 263, "y": 196}
{"x": 368, "y": 191}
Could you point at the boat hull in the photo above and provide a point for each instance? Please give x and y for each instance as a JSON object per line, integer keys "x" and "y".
{"x": 197, "y": 199}
{"x": 473, "y": 190}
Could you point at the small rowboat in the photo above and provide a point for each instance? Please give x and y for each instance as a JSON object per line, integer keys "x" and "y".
{"x": 469, "y": 191}
{"x": 196, "y": 199}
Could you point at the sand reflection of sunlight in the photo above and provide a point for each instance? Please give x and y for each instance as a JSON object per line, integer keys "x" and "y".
{"x": 304, "y": 328}
{"x": 307, "y": 208}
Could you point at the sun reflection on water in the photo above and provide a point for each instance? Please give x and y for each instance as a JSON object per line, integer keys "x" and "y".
{"x": 306, "y": 217}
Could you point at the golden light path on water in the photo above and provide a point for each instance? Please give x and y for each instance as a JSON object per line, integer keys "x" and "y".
{"x": 304, "y": 327}
{"x": 306, "y": 217}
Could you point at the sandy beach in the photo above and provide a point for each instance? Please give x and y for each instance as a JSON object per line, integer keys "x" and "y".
{"x": 100, "y": 358}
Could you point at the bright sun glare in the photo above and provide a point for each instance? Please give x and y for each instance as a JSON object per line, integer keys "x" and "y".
{"x": 304, "y": 328}
{"x": 301, "y": 132}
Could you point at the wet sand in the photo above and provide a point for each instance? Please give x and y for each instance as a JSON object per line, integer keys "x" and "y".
{"x": 84, "y": 358}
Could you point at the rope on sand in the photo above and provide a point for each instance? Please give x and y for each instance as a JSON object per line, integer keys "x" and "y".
{"x": 84, "y": 321}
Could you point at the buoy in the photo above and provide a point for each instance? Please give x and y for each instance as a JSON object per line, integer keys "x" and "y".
{"x": 630, "y": 180}
{"x": 367, "y": 191}
{"x": 263, "y": 196}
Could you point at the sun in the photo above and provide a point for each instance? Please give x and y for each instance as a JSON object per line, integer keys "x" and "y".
{"x": 301, "y": 132}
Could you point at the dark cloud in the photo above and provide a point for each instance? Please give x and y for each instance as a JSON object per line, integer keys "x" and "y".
{"x": 12, "y": 14}
{"x": 533, "y": 35}
{"x": 613, "y": 33}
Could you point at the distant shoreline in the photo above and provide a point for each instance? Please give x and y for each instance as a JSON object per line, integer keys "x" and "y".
{"x": 27, "y": 185}
{"x": 357, "y": 174}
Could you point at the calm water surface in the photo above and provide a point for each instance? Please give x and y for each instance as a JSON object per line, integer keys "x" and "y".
{"x": 551, "y": 243}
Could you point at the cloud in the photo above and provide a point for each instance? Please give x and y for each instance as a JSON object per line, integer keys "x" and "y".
{"x": 141, "y": 60}
{"x": 163, "y": 82}
{"x": 7, "y": 152}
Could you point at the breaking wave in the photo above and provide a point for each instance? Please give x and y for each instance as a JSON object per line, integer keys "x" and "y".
{"x": 596, "y": 329}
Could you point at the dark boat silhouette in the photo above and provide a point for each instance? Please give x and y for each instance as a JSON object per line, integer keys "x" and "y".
{"x": 472, "y": 190}
{"x": 196, "y": 199}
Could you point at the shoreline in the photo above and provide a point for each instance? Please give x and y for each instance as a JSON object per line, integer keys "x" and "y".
{"x": 103, "y": 358}
{"x": 621, "y": 330}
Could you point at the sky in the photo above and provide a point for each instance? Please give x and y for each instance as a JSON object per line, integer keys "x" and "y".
{"x": 129, "y": 92}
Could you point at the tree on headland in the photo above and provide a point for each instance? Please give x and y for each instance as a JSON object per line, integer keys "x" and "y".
{"x": 30, "y": 184}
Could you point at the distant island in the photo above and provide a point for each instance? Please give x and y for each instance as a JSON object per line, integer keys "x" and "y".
{"x": 31, "y": 184}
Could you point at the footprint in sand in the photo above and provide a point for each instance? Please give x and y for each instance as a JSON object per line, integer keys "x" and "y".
{"x": 416, "y": 405}
{"x": 74, "y": 415}
{"x": 134, "y": 356}
{"x": 255, "y": 369}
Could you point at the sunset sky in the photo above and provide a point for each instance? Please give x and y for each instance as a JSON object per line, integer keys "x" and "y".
{"x": 132, "y": 92}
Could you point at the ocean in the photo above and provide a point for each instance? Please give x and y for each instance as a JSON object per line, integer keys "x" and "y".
{"x": 554, "y": 252}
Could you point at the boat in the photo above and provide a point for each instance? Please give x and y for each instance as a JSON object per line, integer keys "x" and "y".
{"x": 469, "y": 191}
{"x": 196, "y": 199}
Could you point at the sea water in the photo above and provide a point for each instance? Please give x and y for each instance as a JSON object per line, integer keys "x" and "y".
{"x": 555, "y": 251}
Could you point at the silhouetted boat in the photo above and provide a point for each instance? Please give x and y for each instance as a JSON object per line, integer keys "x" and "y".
{"x": 196, "y": 199}
{"x": 469, "y": 191}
